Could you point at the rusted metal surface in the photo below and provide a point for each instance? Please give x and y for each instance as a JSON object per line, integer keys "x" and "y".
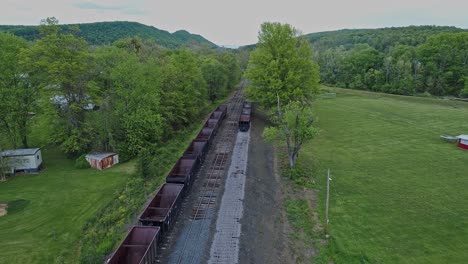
{"x": 212, "y": 123}
{"x": 246, "y": 111}
{"x": 102, "y": 161}
{"x": 163, "y": 207}
{"x": 244, "y": 123}
{"x": 183, "y": 171}
{"x": 217, "y": 115}
{"x": 206, "y": 134}
{"x": 244, "y": 119}
{"x": 196, "y": 150}
{"x": 223, "y": 108}
{"x": 139, "y": 247}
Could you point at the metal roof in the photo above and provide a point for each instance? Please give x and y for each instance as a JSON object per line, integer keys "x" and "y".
{"x": 100, "y": 156}
{"x": 19, "y": 152}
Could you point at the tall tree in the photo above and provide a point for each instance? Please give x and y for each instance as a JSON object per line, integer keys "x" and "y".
{"x": 61, "y": 63}
{"x": 445, "y": 61}
{"x": 294, "y": 125}
{"x": 281, "y": 65}
{"x": 216, "y": 78}
{"x": 183, "y": 88}
{"x": 17, "y": 95}
{"x": 283, "y": 79}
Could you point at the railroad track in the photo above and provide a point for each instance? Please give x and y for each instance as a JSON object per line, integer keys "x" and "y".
{"x": 210, "y": 177}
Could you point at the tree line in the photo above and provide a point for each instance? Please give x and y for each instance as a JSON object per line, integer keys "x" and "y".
{"x": 408, "y": 61}
{"x": 125, "y": 97}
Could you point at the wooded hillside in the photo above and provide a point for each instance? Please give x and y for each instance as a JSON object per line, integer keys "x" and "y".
{"x": 408, "y": 60}
{"x": 106, "y": 33}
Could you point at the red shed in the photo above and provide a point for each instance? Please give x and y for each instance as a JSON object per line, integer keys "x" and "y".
{"x": 102, "y": 161}
{"x": 463, "y": 141}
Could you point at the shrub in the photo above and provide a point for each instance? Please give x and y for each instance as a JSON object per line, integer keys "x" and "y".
{"x": 81, "y": 162}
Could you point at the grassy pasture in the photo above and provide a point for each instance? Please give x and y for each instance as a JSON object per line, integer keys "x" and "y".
{"x": 47, "y": 211}
{"x": 399, "y": 193}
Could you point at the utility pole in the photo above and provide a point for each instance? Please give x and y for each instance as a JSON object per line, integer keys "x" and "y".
{"x": 327, "y": 203}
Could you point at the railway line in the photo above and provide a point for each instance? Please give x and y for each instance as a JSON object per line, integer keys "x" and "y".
{"x": 178, "y": 223}
{"x": 191, "y": 242}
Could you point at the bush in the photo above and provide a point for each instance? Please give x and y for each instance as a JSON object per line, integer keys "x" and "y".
{"x": 464, "y": 93}
{"x": 81, "y": 162}
{"x": 144, "y": 164}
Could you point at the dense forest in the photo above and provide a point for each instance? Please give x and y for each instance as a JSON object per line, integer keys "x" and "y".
{"x": 106, "y": 33}
{"x": 411, "y": 60}
{"x": 126, "y": 97}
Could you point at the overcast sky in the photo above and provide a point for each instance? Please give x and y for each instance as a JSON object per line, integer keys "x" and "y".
{"x": 236, "y": 22}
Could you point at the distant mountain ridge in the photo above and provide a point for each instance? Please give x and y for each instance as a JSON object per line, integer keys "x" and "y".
{"x": 380, "y": 38}
{"x": 105, "y": 33}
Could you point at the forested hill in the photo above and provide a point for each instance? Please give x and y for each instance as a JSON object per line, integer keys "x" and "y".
{"x": 101, "y": 33}
{"x": 415, "y": 60}
{"x": 382, "y": 39}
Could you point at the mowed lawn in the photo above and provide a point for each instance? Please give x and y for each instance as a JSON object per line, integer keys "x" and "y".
{"x": 47, "y": 211}
{"x": 399, "y": 194}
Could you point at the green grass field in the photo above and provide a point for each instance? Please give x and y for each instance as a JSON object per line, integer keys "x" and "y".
{"x": 47, "y": 211}
{"x": 399, "y": 194}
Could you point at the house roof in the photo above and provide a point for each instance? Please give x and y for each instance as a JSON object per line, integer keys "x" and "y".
{"x": 100, "y": 156}
{"x": 464, "y": 137}
{"x": 19, "y": 152}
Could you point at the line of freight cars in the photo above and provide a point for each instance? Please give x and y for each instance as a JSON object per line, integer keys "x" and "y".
{"x": 245, "y": 116}
{"x": 141, "y": 243}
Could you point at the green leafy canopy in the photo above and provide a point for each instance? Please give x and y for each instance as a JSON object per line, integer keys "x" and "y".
{"x": 281, "y": 65}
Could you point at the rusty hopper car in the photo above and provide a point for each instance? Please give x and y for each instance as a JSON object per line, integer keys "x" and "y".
{"x": 217, "y": 115}
{"x": 184, "y": 172}
{"x": 206, "y": 134}
{"x": 212, "y": 123}
{"x": 139, "y": 247}
{"x": 196, "y": 150}
{"x": 244, "y": 123}
{"x": 222, "y": 108}
{"x": 246, "y": 111}
{"x": 164, "y": 207}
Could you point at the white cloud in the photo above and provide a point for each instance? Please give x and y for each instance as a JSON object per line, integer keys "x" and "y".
{"x": 237, "y": 22}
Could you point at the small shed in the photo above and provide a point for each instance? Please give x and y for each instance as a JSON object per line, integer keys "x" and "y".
{"x": 23, "y": 160}
{"x": 463, "y": 141}
{"x": 102, "y": 161}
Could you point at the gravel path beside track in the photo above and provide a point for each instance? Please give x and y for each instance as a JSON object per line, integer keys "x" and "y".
{"x": 225, "y": 246}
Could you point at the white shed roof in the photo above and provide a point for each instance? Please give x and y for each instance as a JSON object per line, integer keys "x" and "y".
{"x": 19, "y": 152}
{"x": 464, "y": 137}
{"x": 100, "y": 156}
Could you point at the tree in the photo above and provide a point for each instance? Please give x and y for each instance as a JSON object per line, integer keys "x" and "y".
{"x": 183, "y": 89}
{"x": 4, "y": 168}
{"x": 231, "y": 66}
{"x": 215, "y": 77}
{"x": 294, "y": 125}
{"x": 281, "y": 66}
{"x": 129, "y": 118}
{"x": 283, "y": 79}
{"x": 445, "y": 59}
{"x": 17, "y": 95}
{"x": 60, "y": 63}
